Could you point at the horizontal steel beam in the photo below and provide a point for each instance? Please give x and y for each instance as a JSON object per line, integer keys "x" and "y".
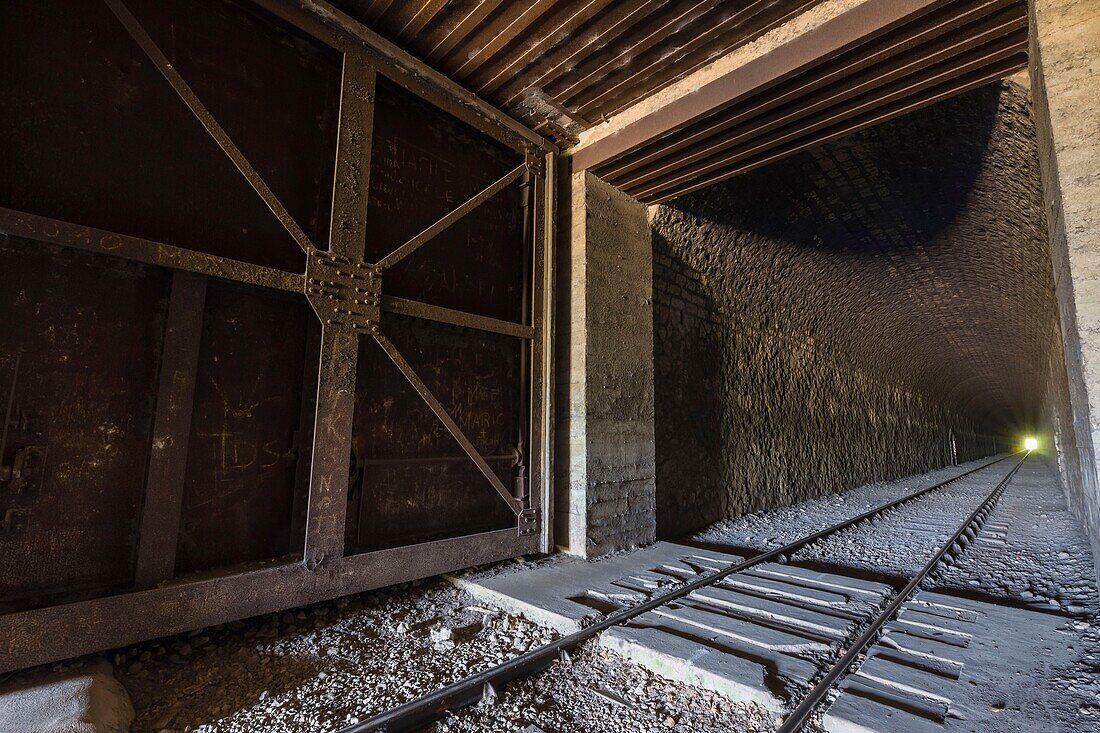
{"x": 864, "y": 22}
{"x": 36, "y": 637}
{"x": 64, "y": 234}
{"x": 439, "y": 314}
{"x": 891, "y": 57}
{"x": 1010, "y": 62}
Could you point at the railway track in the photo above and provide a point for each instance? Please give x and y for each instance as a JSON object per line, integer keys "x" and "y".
{"x": 469, "y": 690}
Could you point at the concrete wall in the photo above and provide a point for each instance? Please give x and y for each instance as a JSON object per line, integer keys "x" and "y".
{"x": 1065, "y": 75}
{"x": 836, "y": 318}
{"x": 605, "y": 475}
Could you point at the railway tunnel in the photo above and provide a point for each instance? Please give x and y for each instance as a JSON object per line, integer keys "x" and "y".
{"x": 554, "y": 366}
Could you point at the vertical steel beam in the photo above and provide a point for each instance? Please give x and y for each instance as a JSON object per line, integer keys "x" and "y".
{"x": 160, "y": 516}
{"x": 326, "y": 513}
{"x": 304, "y": 443}
{"x": 541, "y": 355}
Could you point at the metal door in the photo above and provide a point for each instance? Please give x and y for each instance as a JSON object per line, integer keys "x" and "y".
{"x": 310, "y": 273}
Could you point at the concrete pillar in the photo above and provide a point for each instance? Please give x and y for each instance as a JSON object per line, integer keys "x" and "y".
{"x": 1065, "y": 81}
{"x": 605, "y": 494}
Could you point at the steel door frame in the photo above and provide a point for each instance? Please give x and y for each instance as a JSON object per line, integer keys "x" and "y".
{"x": 160, "y": 604}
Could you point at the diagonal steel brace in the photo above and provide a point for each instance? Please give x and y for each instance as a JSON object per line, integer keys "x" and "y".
{"x": 168, "y": 71}
{"x": 421, "y": 239}
{"x": 444, "y": 417}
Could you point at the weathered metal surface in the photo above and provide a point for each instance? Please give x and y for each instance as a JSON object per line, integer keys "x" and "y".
{"x": 217, "y": 115}
{"x": 404, "y": 307}
{"x": 539, "y": 385}
{"x": 344, "y": 293}
{"x": 52, "y": 231}
{"x": 239, "y": 493}
{"x": 425, "y": 164}
{"x": 341, "y": 31}
{"x": 168, "y": 70}
{"x": 476, "y": 378}
{"x": 326, "y": 509}
{"x": 160, "y": 513}
{"x": 448, "y": 422}
{"x": 95, "y": 417}
{"x": 451, "y": 217}
{"x": 104, "y": 140}
{"x": 272, "y": 88}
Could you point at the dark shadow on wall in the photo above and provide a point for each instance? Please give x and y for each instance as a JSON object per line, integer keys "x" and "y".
{"x": 879, "y": 192}
{"x": 687, "y": 364}
{"x": 835, "y": 318}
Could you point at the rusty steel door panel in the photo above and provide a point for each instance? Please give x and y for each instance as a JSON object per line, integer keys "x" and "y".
{"x": 276, "y": 323}
{"x": 425, "y": 163}
{"x": 412, "y": 481}
{"x": 101, "y": 140}
{"x": 239, "y": 493}
{"x": 86, "y": 378}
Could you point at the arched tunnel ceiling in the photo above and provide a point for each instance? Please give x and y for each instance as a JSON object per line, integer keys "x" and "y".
{"x": 918, "y": 247}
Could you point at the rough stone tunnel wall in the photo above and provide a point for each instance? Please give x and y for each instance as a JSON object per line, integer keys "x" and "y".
{"x": 873, "y": 308}
{"x": 751, "y": 415}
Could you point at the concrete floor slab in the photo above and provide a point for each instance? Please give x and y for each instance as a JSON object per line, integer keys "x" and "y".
{"x": 674, "y": 657}
{"x": 568, "y": 594}
{"x": 956, "y": 665}
{"x": 756, "y": 637}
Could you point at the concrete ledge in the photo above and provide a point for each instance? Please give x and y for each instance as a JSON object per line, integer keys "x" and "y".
{"x": 88, "y": 700}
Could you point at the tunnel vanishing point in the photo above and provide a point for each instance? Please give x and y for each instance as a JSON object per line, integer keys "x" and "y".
{"x": 302, "y": 300}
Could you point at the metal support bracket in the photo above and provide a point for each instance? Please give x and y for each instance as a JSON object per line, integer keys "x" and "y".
{"x": 535, "y": 161}
{"x": 343, "y": 292}
{"x": 528, "y": 522}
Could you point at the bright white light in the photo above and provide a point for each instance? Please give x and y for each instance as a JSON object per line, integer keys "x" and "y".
{"x": 1031, "y": 443}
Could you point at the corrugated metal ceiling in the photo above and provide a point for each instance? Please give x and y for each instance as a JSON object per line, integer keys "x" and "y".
{"x": 561, "y": 66}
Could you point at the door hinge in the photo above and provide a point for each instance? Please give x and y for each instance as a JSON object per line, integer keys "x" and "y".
{"x": 13, "y": 521}
{"x": 535, "y": 160}
{"x": 26, "y": 471}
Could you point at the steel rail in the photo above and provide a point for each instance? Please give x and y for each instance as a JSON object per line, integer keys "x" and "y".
{"x": 802, "y": 712}
{"x": 470, "y": 689}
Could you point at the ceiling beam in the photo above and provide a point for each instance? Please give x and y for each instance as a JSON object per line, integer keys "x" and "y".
{"x": 704, "y": 93}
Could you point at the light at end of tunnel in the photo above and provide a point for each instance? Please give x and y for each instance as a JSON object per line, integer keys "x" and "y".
{"x": 1031, "y": 443}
